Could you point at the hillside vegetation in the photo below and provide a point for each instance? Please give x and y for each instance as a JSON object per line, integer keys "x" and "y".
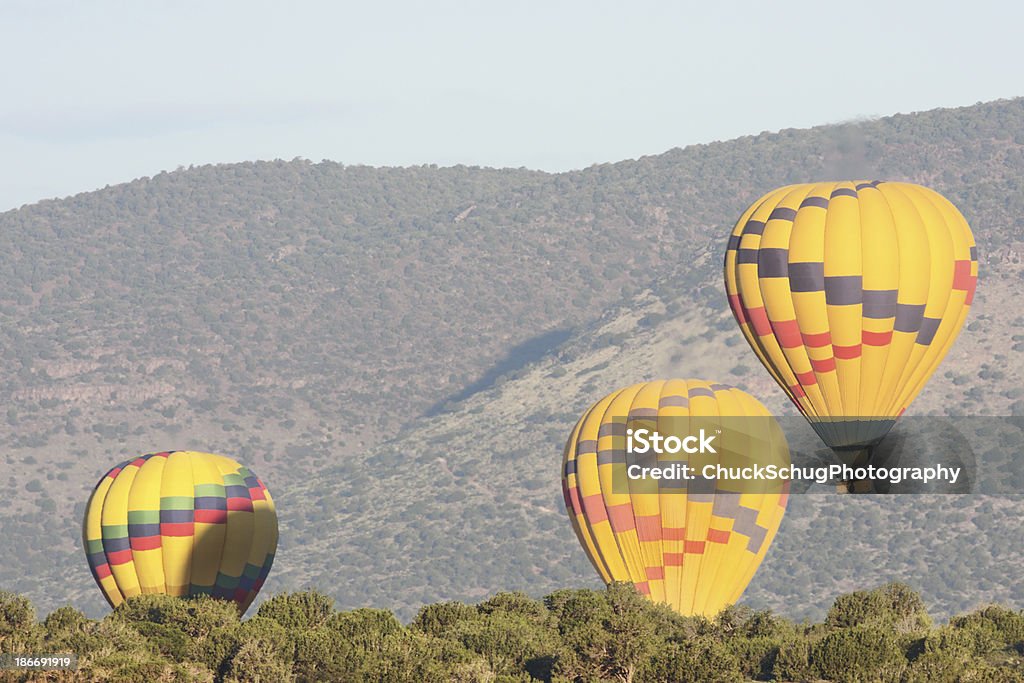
{"x": 400, "y": 353}
{"x": 613, "y": 636}
{"x": 464, "y": 500}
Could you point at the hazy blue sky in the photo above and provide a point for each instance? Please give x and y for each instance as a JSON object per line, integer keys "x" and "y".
{"x": 103, "y": 92}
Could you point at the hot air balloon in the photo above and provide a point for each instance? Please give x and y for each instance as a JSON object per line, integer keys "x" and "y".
{"x": 180, "y": 523}
{"x": 851, "y": 294}
{"x": 693, "y": 544}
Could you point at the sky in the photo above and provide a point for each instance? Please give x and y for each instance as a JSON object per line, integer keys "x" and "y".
{"x": 104, "y": 92}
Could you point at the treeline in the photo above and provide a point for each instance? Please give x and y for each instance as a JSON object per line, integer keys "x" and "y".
{"x": 571, "y": 635}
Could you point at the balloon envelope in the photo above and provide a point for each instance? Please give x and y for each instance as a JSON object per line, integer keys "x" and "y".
{"x": 851, "y": 294}
{"x": 693, "y": 544}
{"x": 180, "y": 523}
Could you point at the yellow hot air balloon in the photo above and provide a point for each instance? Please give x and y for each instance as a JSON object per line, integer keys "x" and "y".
{"x": 180, "y": 523}
{"x": 691, "y": 543}
{"x": 851, "y": 293}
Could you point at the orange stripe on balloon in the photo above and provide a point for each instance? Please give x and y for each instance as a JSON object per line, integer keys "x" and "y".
{"x": 815, "y": 341}
{"x": 621, "y": 517}
{"x": 787, "y": 332}
{"x": 824, "y": 365}
{"x": 737, "y": 308}
{"x": 211, "y": 516}
{"x": 876, "y": 338}
{"x": 574, "y": 499}
{"x": 962, "y": 275}
{"x": 593, "y": 508}
{"x": 239, "y": 505}
{"x": 847, "y": 352}
{"x": 648, "y": 528}
{"x": 806, "y": 378}
{"x": 759, "y": 319}
{"x": 718, "y": 536}
{"x": 119, "y": 557}
{"x": 145, "y": 543}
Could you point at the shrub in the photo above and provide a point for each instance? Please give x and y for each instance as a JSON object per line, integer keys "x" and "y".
{"x": 216, "y": 650}
{"x": 440, "y": 617}
{"x": 323, "y": 654}
{"x": 413, "y": 657}
{"x": 936, "y": 667}
{"x": 574, "y": 607}
{"x": 271, "y": 636}
{"x": 19, "y": 631}
{"x": 67, "y": 630}
{"x": 863, "y": 653}
{"x": 894, "y": 605}
{"x": 960, "y": 641}
{"x": 700, "y": 660}
{"x": 303, "y": 610}
{"x": 511, "y": 643}
{"x": 516, "y": 603}
{"x": 793, "y": 661}
{"x": 755, "y": 656}
{"x": 364, "y": 627}
{"x": 1001, "y": 625}
{"x": 253, "y": 664}
{"x": 196, "y": 617}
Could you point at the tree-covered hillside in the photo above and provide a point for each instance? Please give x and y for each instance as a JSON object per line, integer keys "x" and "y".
{"x": 304, "y": 318}
{"x": 471, "y": 497}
